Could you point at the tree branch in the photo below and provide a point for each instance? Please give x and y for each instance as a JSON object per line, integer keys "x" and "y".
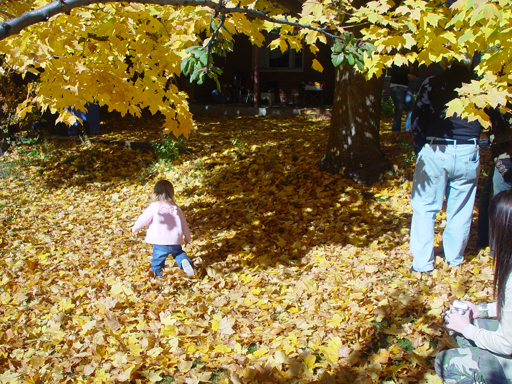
{"x": 212, "y": 38}
{"x": 43, "y": 14}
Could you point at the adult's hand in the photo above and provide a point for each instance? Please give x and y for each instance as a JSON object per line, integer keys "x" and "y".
{"x": 455, "y": 321}
{"x": 474, "y": 309}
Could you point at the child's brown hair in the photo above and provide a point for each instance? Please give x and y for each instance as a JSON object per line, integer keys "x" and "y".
{"x": 163, "y": 191}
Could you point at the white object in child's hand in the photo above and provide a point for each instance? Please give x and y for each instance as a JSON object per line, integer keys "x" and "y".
{"x": 187, "y": 268}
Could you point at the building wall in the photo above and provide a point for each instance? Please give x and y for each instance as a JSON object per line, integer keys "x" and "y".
{"x": 290, "y": 84}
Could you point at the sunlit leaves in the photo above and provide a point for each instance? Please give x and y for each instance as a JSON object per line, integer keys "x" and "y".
{"x": 299, "y": 272}
{"x": 479, "y": 94}
{"x": 86, "y": 60}
{"x": 100, "y": 53}
{"x": 440, "y": 33}
{"x": 313, "y": 8}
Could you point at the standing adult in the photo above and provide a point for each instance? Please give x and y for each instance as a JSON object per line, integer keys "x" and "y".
{"x": 500, "y": 175}
{"x": 485, "y": 345}
{"x": 448, "y": 165}
{"x": 402, "y": 97}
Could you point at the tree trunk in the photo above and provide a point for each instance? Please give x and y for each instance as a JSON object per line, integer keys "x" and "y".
{"x": 354, "y": 146}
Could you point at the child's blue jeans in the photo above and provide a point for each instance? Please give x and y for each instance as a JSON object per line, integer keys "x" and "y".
{"x": 160, "y": 254}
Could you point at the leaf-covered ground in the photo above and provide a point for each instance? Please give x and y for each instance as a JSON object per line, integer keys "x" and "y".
{"x": 302, "y": 276}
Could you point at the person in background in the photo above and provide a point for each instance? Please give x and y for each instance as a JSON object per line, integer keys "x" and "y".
{"x": 402, "y": 97}
{"x": 500, "y": 175}
{"x": 485, "y": 346}
{"x": 448, "y": 164}
{"x": 167, "y": 229}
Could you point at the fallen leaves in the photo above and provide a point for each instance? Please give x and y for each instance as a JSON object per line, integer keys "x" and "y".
{"x": 302, "y": 276}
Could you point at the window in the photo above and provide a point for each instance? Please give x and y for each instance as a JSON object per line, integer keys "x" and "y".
{"x": 275, "y": 60}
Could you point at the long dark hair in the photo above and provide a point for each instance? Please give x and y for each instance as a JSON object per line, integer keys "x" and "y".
{"x": 500, "y": 213}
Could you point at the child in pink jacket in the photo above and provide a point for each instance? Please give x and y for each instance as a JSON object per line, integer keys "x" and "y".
{"x": 167, "y": 229}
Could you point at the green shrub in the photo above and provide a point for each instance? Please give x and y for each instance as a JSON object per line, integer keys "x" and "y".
{"x": 387, "y": 107}
{"x": 169, "y": 148}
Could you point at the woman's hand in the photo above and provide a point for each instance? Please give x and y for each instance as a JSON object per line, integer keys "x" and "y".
{"x": 474, "y": 309}
{"x": 455, "y": 321}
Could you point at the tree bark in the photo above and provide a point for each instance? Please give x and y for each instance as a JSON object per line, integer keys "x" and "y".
{"x": 354, "y": 144}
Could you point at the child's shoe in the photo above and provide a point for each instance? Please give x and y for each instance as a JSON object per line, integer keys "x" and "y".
{"x": 187, "y": 268}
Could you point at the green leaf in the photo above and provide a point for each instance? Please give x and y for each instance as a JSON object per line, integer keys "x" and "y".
{"x": 194, "y": 75}
{"x": 216, "y": 70}
{"x": 213, "y": 26}
{"x": 229, "y": 45}
{"x": 338, "y": 59}
{"x": 348, "y": 38}
{"x": 337, "y": 47}
{"x": 368, "y": 48}
{"x": 185, "y": 65}
{"x": 204, "y": 58}
{"x": 350, "y": 59}
{"x": 193, "y": 48}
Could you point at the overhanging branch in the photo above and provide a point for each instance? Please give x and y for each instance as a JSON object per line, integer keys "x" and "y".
{"x": 14, "y": 26}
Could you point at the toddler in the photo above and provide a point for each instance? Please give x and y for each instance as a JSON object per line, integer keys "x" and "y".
{"x": 167, "y": 229}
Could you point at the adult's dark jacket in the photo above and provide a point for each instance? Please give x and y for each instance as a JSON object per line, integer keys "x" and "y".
{"x": 400, "y": 75}
{"x": 429, "y": 114}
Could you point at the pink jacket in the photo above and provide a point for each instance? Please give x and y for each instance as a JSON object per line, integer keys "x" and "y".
{"x": 167, "y": 224}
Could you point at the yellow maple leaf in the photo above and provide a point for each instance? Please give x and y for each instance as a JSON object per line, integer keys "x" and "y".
{"x": 281, "y": 243}
{"x": 260, "y": 352}
{"x": 221, "y": 348}
{"x": 310, "y": 361}
{"x": 101, "y": 376}
{"x": 152, "y": 376}
{"x": 185, "y": 366}
{"x": 225, "y": 326}
{"x": 312, "y": 7}
{"x": 317, "y": 66}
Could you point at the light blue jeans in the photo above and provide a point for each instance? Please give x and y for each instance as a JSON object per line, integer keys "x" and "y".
{"x": 160, "y": 254}
{"x": 450, "y": 170}
{"x": 498, "y": 183}
{"x": 402, "y": 99}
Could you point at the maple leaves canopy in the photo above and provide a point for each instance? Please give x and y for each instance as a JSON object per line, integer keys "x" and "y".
{"x": 81, "y": 56}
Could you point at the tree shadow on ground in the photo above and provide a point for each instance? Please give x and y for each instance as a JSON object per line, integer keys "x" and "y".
{"x": 265, "y": 202}
{"x": 254, "y": 199}
{"x": 76, "y": 164}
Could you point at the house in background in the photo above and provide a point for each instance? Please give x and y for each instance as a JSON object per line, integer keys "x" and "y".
{"x": 277, "y": 78}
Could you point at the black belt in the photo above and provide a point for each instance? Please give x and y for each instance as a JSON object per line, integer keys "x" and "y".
{"x": 439, "y": 141}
